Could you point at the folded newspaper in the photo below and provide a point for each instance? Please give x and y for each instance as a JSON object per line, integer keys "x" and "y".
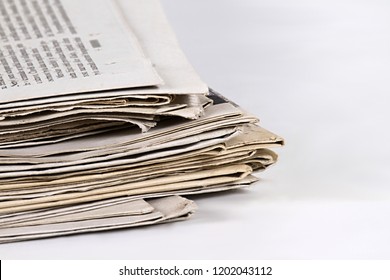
{"x": 104, "y": 124}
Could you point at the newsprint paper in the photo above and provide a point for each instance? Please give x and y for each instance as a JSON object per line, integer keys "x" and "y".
{"x": 104, "y": 124}
{"x": 51, "y": 48}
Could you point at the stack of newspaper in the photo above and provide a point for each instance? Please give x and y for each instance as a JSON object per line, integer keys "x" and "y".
{"x": 104, "y": 123}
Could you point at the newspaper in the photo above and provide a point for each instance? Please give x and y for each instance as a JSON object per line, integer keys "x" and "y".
{"x": 197, "y": 171}
{"x": 93, "y": 157}
{"x": 106, "y": 153}
{"x": 50, "y": 48}
{"x": 58, "y": 115}
{"x": 225, "y": 153}
{"x": 56, "y": 124}
{"x": 154, "y": 211}
{"x": 154, "y": 38}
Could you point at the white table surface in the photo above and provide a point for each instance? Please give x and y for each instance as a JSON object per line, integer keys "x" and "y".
{"x": 315, "y": 72}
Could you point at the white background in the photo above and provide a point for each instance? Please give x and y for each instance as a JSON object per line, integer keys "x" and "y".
{"x": 315, "y": 72}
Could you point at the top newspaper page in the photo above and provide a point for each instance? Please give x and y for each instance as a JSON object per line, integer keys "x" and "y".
{"x": 149, "y": 26}
{"x": 50, "y": 48}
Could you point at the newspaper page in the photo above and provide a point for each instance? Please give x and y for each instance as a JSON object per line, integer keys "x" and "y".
{"x": 155, "y": 38}
{"x": 50, "y": 48}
